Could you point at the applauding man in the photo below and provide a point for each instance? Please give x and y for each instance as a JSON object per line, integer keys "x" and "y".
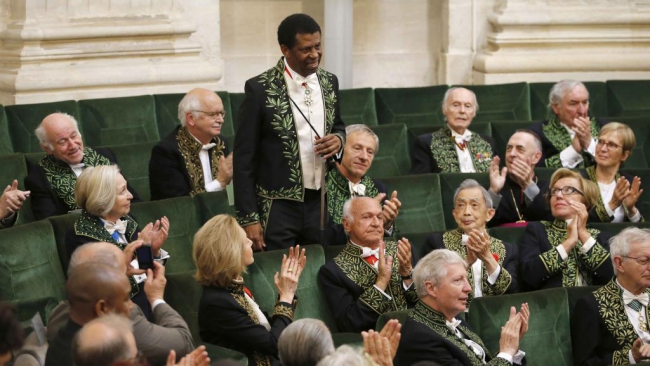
{"x": 11, "y": 201}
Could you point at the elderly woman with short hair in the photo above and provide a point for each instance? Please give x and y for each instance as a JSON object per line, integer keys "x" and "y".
{"x": 228, "y": 313}
{"x": 565, "y": 253}
{"x": 432, "y": 333}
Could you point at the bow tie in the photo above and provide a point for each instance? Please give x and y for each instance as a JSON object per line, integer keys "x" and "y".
{"x": 119, "y": 226}
{"x": 367, "y": 252}
{"x": 208, "y": 146}
{"x": 642, "y": 298}
{"x": 77, "y": 166}
{"x": 358, "y": 189}
{"x": 453, "y": 325}
{"x": 460, "y": 139}
{"x": 311, "y": 81}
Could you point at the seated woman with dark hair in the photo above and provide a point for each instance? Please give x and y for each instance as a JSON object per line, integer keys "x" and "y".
{"x": 228, "y": 313}
{"x": 619, "y": 192}
{"x": 102, "y": 194}
{"x": 565, "y": 253}
{"x": 11, "y": 334}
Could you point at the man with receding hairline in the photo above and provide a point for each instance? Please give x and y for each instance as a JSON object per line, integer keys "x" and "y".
{"x": 104, "y": 341}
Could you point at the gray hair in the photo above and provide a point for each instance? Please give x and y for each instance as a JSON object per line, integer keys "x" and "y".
{"x": 112, "y": 347}
{"x": 304, "y": 343}
{"x": 619, "y": 245}
{"x": 41, "y": 135}
{"x": 448, "y": 93}
{"x": 361, "y": 128}
{"x": 471, "y": 183}
{"x": 560, "y": 89}
{"x": 347, "y": 209}
{"x": 536, "y": 140}
{"x": 433, "y": 268}
{"x": 93, "y": 253}
{"x": 347, "y": 355}
{"x": 189, "y": 104}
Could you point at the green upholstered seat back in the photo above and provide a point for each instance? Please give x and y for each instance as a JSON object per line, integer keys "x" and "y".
{"x": 539, "y": 99}
{"x": 14, "y": 167}
{"x": 548, "y": 340}
{"x": 23, "y": 120}
{"x": 640, "y": 156}
{"x": 236, "y": 99}
{"x": 505, "y": 102}
{"x": 400, "y": 315}
{"x": 644, "y": 201}
{"x": 332, "y": 251}
{"x": 510, "y": 235}
{"x": 183, "y": 222}
{"x": 410, "y": 106}
{"x": 210, "y": 204}
{"x": 183, "y": 293}
{"x": 449, "y": 182}
{"x": 5, "y": 142}
{"x": 61, "y": 225}
{"x": 628, "y": 97}
{"x": 29, "y": 263}
{"x": 167, "y": 113}
{"x": 26, "y": 309}
{"x": 358, "y": 106}
{"x": 118, "y": 121}
{"x": 546, "y": 173}
{"x": 417, "y": 241}
{"x": 421, "y": 210}
{"x": 133, "y": 160}
{"x": 479, "y": 127}
{"x": 394, "y": 155}
{"x": 501, "y": 132}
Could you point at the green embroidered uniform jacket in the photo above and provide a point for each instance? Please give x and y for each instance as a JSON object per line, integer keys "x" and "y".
{"x": 266, "y": 151}
{"x": 599, "y": 213}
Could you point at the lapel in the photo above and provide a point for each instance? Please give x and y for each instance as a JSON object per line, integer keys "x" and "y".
{"x": 329, "y": 97}
{"x": 601, "y": 211}
{"x": 612, "y": 311}
{"x": 443, "y": 149}
{"x": 559, "y": 137}
{"x": 338, "y": 192}
{"x": 190, "y": 149}
{"x": 480, "y": 152}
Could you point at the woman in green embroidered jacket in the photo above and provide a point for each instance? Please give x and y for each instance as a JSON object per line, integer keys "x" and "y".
{"x": 619, "y": 192}
{"x": 565, "y": 253}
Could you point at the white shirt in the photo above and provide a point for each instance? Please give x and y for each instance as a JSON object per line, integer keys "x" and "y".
{"x": 477, "y": 273}
{"x": 569, "y": 157}
{"x": 211, "y": 184}
{"x": 260, "y": 315}
{"x": 464, "y": 156}
{"x": 607, "y": 192}
{"x": 312, "y": 165}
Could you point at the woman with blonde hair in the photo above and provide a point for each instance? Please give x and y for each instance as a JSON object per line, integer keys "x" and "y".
{"x": 564, "y": 252}
{"x": 228, "y": 313}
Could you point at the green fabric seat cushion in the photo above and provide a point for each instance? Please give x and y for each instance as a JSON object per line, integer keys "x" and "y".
{"x": 628, "y": 97}
{"x": 640, "y": 156}
{"x": 548, "y": 340}
{"x": 61, "y": 225}
{"x": 358, "y": 106}
{"x": 449, "y": 182}
{"x": 211, "y": 204}
{"x": 539, "y": 99}
{"x": 510, "y": 235}
{"x": 118, "y": 121}
{"x": 26, "y": 309}
{"x": 14, "y": 167}
{"x": 418, "y": 241}
{"x": 24, "y": 118}
{"x": 483, "y": 128}
{"x": 400, "y": 315}
{"x": 5, "y": 142}
{"x": 644, "y": 201}
{"x": 29, "y": 263}
{"x": 133, "y": 160}
{"x": 332, "y": 251}
{"x": 184, "y": 223}
{"x": 421, "y": 210}
{"x": 505, "y": 102}
{"x": 411, "y": 106}
{"x": 183, "y": 293}
{"x": 167, "y": 113}
{"x": 394, "y": 155}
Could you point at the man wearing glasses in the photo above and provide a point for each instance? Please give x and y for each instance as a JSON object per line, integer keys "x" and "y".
{"x": 192, "y": 158}
{"x": 610, "y": 325}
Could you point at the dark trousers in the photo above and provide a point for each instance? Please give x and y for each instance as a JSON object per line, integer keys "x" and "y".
{"x": 293, "y": 222}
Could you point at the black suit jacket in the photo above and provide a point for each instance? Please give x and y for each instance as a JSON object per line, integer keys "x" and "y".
{"x": 59, "y": 352}
{"x": 599, "y": 213}
{"x": 168, "y": 176}
{"x": 45, "y": 201}
{"x": 541, "y": 264}
{"x": 506, "y": 212}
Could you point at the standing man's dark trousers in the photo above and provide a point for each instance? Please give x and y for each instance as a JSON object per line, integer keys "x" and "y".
{"x": 293, "y": 222}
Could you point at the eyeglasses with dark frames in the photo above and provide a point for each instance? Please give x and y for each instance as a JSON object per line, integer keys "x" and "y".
{"x": 642, "y": 261}
{"x": 566, "y": 191}
{"x": 610, "y": 145}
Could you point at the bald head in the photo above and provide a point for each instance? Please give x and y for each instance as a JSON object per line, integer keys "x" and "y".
{"x": 201, "y": 111}
{"x": 59, "y": 135}
{"x": 104, "y": 341}
{"x": 363, "y": 221}
{"x": 99, "y": 253}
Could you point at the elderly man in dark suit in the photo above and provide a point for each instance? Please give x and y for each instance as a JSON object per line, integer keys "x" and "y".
{"x": 289, "y": 124}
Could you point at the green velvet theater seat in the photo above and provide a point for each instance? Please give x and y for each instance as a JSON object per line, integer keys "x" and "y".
{"x": 614, "y": 228}
{"x": 24, "y": 118}
{"x": 29, "y": 263}
{"x": 236, "y": 99}
{"x": 400, "y": 315}
{"x": 449, "y": 182}
{"x": 644, "y": 201}
{"x": 640, "y": 156}
{"x": 548, "y": 340}
{"x": 421, "y": 210}
{"x": 394, "y": 155}
{"x": 184, "y": 223}
{"x": 410, "y": 106}
{"x": 539, "y": 99}
{"x": 484, "y": 128}
{"x": 14, "y": 167}
{"x": 628, "y": 97}
{"x": 118, "y": 121}
{"x": 210, "y": 204}
{"x": 510, "y": 235}
{"x": 358, "y": 106}
{"x": 6, "y": 147}
{"x": 501, "y": 102}
{"x": 133, "y": 160}
{"x": 503, "y": 130}
{"x": 61, "y": 224}
{"x": 417, "y": 241}
{"x": 167, "y": 113}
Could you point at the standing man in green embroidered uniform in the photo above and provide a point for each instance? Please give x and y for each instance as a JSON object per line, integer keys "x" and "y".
{"x": 610, "y": 326}
{"x": 349, "y": 179}
{"x": 289, "y": 125}
{"x": 570, "y": 135}
{"x": 454, "y": 148}
{"x": 192, "y": 158}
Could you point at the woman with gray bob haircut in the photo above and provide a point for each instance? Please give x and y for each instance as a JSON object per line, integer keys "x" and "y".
{"x": 304, "y": 343}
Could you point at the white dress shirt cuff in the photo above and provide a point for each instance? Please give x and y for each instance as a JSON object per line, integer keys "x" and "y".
{"x": 156, "y": 303}
{"x": 164, "y": 256}
{"x": 631, "y": 359}
{"x": 570, "y": 158}
{"x": 586, "y": 247}
{"x": 563, "y": 254}
{"x": 492, "y": 279}
{"x": 213, "y": 186}
{"x": 383, "y": 293}
{"x": 531, "y": 192}
{"x": 636, "y": 217}
{"x": 609, "y": 210}
{"x": 592, "y": 147}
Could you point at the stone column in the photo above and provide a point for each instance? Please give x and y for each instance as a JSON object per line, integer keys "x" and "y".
{"x": 337, "y": 39}
{"x": 548, "y": 40}
{"x": 81, "y": 49}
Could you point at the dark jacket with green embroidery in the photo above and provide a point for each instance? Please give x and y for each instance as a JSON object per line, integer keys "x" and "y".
{"x": 266, "y": 156}
{"x": 601, "y": 331}
{"x": 348, "y": 284}
{"x": 556, "y": 138}
{"x": 436, "y": 153}
{"x": 227, "y": 319}
{"x": 541, "y": 264}
{"x": 425, "y": 337}
{"x": 175, "y": 168}
{"x": 599, "y": 213}
{"x": 51, "y": 183}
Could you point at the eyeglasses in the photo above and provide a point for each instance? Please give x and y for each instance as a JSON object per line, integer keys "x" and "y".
{"x": 566, "y": 191}
{"x": 610, "y": 145}
{"x": 642, "y": 261}
{"x": 214, "y": 115}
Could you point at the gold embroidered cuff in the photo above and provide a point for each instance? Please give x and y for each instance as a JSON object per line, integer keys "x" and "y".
{"x": 283, "y": 309}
